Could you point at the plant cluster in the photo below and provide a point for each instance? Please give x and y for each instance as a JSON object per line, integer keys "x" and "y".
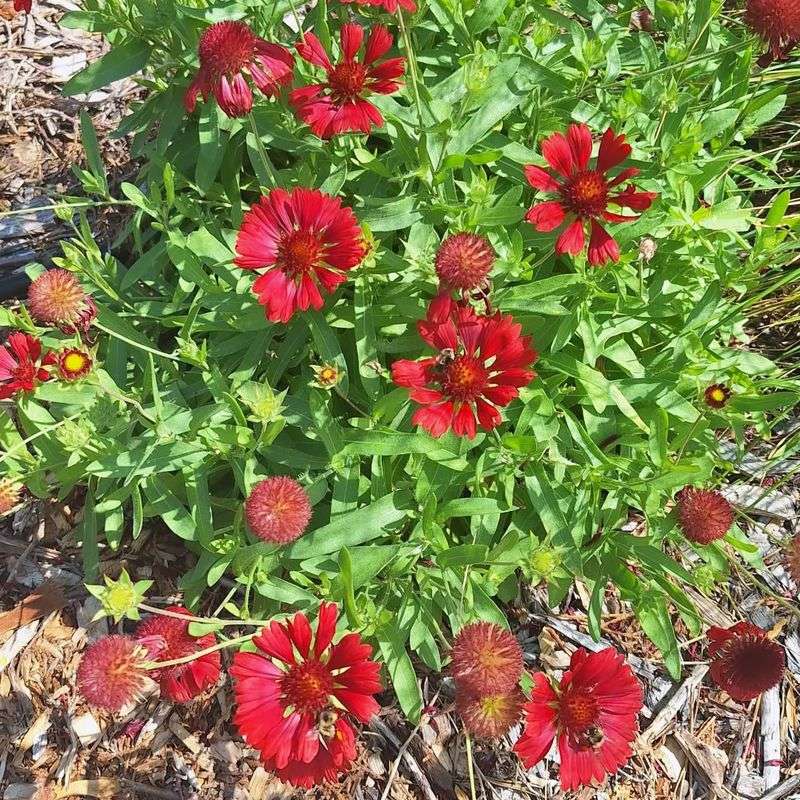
{"x": 386, "y": 335}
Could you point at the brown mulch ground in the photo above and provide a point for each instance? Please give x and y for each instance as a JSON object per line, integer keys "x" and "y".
{"x": 695, "y": 741}
{"x": 40, "y": 129}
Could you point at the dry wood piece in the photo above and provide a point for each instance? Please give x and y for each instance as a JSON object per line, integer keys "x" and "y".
{"x": 709, "y": 761}
{"x": 783, "y": 789}
{"x": 411, "y": 763}
{"x": 771, "y": 736}
{"x": 660, "y": 723}
{"x": 47, "y": 598}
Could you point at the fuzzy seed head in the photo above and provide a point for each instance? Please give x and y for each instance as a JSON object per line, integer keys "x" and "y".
{"x": 744, "y": 661}
{"x": 464, "y": 260}
{"x": 10, "y": 494}
{"x": 278, "y": 510}
{"x": 111, "y": 673}
{"x": 704, "y": 515}
{"x": 777, "y": 22}
{"x": 56, "y": 298}
{"x": 486, "y": 658}
{"x": 489, "y": 716}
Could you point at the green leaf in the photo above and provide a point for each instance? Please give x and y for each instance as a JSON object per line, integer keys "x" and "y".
{"x": 471, "y": 506}
{"x": 165, "y": 504}
{"x": 463, "y": 555}
{"x": 651, "y": 611}
{"x": 485, "y": 13}
{"x": 346, "y": 578}
{"x": 352, "y": 528}
{"x": 123, "y": 60}
{"x": 213, "y": 142}
{"x": 88, "y": 537}
{"x": 92, "y": 149}
{"x": 502, "y": 103}
{"x": 385, "y": 214}
{"x": 401, "y": 673}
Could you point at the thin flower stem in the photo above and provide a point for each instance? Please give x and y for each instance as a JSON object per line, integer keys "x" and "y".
{"x": 258, "y": 623}
{"x": 359, "y": 411}
{"x": 470, "y": 766}
{"x": 262, "y": 151}
{"x": 688, "y": 437}
{"x": 200, "y": 653}
{"x": 88, "y": 204}
{"x": 412, "y": 68}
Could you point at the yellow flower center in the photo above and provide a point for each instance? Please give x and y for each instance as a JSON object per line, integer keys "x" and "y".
{"x": 74, "y": 362}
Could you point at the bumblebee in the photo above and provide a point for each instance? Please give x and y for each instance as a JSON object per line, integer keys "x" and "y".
{"x": 326, "y": 723}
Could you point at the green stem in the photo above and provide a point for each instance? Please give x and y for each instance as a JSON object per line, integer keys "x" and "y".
{"x": 470, "y": 767}
{"x": 688, "y": 438}
{"x": 200, "y": 653}
{"x": 258, "y": 623}
{"x": 412, "y": 68}
{"x": 262, "y": 152}
{"x": 88, "y": 204}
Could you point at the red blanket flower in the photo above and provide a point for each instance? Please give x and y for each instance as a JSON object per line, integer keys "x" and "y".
{"x": 480, "y": 364}
{"x": 168, "y": 638}
{"x": 307, "y": 241}
{"x": 230, "y": 51}
{"x": 339, "y": 104}
{"x": 584, "y": 194}
{"x": 295, "y": 697}
{"x": 21, "y": 364}
{"x": 744, "y": 661}
{"x": 592, "y": 713}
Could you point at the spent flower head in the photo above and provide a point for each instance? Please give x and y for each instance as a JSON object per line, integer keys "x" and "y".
{"x": 486, "y": 658}
{"x": 489, "y": 716}
{"x": 704, "y": 515}
{"x": 278, "y": 510}
{"x": 113, "y": 672}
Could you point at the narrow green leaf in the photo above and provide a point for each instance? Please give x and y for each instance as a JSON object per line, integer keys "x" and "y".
{"x": 123, "y": 60}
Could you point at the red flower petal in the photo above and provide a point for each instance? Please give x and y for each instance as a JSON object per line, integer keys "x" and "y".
{"x": 546, "y": 216}
{"x": 558, "y": 154}
{"x": 602, "y": 247}
{"x": 540, "y": 179}
{"x": 572, "y": 239}
{"x": 435, "y": 419}
{"x": 352, "y": 36}
{"x": 540, "y": 723}
{"x": 378, "y": 44}
{"x": 613, "y": 150}
{"x": 310, "y": 49}
{"x": 580, "y": 142}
